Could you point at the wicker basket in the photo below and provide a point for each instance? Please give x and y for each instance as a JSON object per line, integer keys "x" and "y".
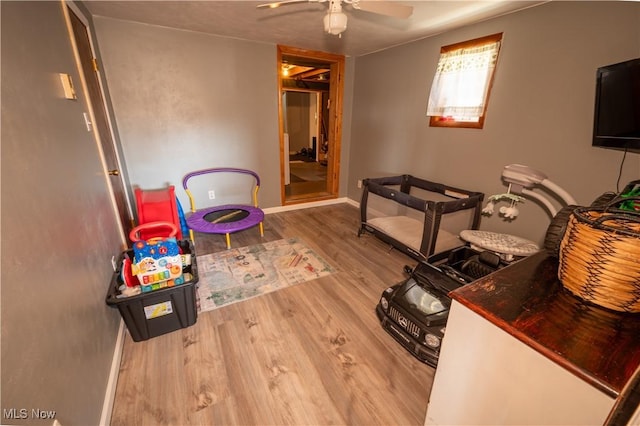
{"x": 600, "y": 257}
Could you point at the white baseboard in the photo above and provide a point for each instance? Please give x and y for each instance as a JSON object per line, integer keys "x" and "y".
{"x": 353, "y": 202}
{"x": 110, "y": 394}
{"x": 280, "y": 209}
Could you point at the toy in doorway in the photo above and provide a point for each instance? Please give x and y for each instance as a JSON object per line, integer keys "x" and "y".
{"x": 224, "y": 219}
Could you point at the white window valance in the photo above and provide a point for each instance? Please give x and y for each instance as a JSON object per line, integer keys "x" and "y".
{"x": 461, "y": 82}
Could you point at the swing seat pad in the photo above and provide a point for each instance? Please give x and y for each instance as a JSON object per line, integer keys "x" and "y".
{"x": 226, "y": 222}
{"x": 500, "y": 243}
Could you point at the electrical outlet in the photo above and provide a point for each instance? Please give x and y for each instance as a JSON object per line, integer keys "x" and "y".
{"x": 359, "y": 183}
{"x": 212, "y": 194}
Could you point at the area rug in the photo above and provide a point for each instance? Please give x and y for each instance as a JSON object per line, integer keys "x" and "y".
{"x": 243, "y": 273}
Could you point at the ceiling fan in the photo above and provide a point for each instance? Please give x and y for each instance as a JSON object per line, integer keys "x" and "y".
{"x": 335, "y": 21}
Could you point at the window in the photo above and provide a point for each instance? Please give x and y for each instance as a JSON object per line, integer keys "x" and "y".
{"x": 461, "y": 85}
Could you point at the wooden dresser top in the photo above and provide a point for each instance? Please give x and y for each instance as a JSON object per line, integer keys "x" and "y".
{"x": 527, "y": 300}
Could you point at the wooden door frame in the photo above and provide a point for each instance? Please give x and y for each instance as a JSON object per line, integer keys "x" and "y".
{"x": 336, "y": 89}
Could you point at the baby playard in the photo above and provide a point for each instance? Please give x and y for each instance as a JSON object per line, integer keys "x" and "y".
{"x": 416, "y": 216}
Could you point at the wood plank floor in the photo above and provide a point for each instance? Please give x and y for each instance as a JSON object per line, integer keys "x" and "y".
{"x": 311, "y": 354}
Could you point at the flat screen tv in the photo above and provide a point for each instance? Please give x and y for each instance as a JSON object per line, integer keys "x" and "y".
{"x": 616, "y": 121}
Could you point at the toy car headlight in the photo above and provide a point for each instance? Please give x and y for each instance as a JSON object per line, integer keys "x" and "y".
{"x": 432, "y": 340}
{"x": 384, "y": 303}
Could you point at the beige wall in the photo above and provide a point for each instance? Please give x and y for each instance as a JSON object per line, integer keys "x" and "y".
{"x": 540, "y": 112}
{"x": 59, "y": 230}
{"x": 185, "y": 101}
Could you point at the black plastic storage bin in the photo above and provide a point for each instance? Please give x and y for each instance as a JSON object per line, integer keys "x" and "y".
{"x": 161, "y": 311}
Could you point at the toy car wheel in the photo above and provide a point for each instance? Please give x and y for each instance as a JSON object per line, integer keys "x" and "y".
{"x": 556, "y": 230}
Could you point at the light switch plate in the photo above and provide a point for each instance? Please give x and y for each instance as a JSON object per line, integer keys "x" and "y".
{"x": 67, "y": 86}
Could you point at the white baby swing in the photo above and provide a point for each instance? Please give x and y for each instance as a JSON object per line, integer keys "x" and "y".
{"x": 521, "y": 180}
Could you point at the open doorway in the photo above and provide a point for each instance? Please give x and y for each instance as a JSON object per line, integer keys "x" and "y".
{"x": 310, "y": 122}
{"x": 305, "y": 139}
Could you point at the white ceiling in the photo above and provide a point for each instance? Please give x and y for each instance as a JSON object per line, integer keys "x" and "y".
{"x": 300, "y": 24}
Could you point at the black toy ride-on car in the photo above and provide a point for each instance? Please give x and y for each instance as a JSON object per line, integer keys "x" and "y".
{"x": 415, "y": 311}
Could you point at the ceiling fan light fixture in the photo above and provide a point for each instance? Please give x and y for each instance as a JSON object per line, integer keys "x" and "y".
{"x": 335, "y": 22}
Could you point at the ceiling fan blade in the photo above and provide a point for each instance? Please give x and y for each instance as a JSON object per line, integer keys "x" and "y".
{"x": 284, "y": 2}
{"x": 389, "y": 8}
